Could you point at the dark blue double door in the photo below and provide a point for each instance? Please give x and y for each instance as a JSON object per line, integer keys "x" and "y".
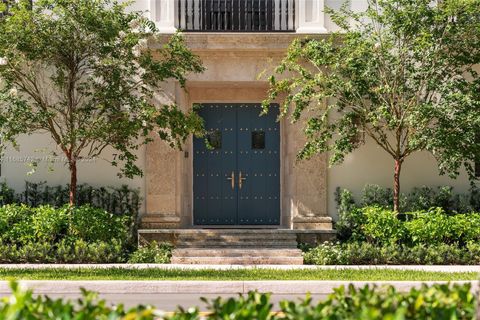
{"x": 237, "y": 171}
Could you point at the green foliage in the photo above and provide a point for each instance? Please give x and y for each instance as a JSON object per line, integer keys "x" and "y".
{"x": 92, "y": 224}
{"x": 49, "y": 224}
{"x": 82, "y": 72}
{"x": 118, "y": 200}
{"x": 16, "y": 224}
{"x": 364, "y": 253}
{"x": 376, "y": 235}
{"x": 24, "y": 305}
{"x": 373, "y": 194}
{"x": 7, "y": 194}
{"x": 401, "y": 73}
{"x": 65, "y": 251}
{"x": 436, "y": 227}
{"x": 350, "y": 218}
{"x": 252, "y": 306}
{"x": 420, "y": 198}
{"x": 64, "y": 235}
{"x": 436, "y": 302}
{"x": 153, "y": 252}
{"x": 382, "y": 226}
{"x": 439, "y": 301}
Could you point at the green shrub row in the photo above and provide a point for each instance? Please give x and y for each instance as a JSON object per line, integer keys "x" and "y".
{"x": 45, "y": 234}
{"x": 435, "y": 302}
{"x": 121, "y": 201}
{"x": 20, "y": 224}
{"x": 82, "y": 234}
{"x": 77, "y": 251}
{"x": 419, "y": 199}
{"x": 383, "y": 226}
{"x": 364, "y": 253}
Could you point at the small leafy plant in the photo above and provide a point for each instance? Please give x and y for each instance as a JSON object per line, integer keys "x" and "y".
{"x": 153, "y": 252}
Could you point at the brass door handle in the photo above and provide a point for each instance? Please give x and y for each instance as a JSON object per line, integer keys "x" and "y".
{"x": 232, "y": 179}
{"x": 240, "y": 180}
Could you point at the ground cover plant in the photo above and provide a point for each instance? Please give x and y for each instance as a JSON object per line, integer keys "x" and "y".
{"x": 370, "y": 302}
{"x": 230, "y": 275}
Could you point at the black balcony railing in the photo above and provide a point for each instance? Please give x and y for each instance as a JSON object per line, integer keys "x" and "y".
{"x": 236, "y": 15}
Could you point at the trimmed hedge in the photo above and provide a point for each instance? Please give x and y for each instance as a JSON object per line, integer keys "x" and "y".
{"x": 369, "y": 302}
{"x": 375, "y": 234}
{"x": 365, "y": 253}
{"x": 66, "y": 235}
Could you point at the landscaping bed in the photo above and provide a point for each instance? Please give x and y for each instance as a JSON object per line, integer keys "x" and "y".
{"x": 372, "y": 233}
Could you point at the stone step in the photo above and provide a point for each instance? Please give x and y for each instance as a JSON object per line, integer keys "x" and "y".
{"x": 236, "y": 252}
{"x": 233, "y": 238}
{"x": 219, "y": 244}
{"x": 238, "y": 260}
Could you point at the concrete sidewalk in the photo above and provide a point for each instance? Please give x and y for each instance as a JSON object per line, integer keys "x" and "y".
{"x": 169, "y": 295}
{"x": 435, "y": 268}
{"x": 204, "y": 287}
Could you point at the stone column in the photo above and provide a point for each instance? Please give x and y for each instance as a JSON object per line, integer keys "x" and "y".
{"x": 163, "y": 13}
{"x": 161, "y": 173}
{"x": 306, "y": 182}
{"x": 311, "y": 16}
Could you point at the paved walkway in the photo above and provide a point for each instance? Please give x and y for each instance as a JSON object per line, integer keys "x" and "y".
{"x": 438, "y": 268}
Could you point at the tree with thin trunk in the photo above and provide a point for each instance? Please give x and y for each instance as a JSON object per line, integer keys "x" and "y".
{"x": 82, "y": 72}
{"x": 402, "y": 73}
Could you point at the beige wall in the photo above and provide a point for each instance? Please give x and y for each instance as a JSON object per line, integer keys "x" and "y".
{"x": 372, "y": 165}
{"x": 98, "y": 172}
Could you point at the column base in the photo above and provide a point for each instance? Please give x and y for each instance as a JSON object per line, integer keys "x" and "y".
{"x": 312, "y": 223}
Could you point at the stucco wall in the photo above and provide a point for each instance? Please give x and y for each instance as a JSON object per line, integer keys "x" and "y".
{"x": 371, "y": 165}
{"x": 97, "y": 172}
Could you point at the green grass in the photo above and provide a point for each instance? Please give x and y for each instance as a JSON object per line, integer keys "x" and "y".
{"x": 251, "y": 274}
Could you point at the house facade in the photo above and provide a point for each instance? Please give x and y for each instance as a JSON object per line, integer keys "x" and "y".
{"x": 249, "y": 176}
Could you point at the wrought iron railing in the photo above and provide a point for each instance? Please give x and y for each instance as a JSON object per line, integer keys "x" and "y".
{"x": 235, "y": 15}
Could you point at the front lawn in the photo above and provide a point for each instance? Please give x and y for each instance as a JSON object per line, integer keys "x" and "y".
{"x": 230, "y": 275}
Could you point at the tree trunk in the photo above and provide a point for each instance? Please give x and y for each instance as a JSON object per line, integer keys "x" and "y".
{"x": 396, "y": 185}
{"x": 73, "y": 181}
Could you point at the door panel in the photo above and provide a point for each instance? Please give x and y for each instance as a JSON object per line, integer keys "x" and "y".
{"x": 250, "y": 149}
{"x": 215, "y": 201}
{"x": 259, "y": 162}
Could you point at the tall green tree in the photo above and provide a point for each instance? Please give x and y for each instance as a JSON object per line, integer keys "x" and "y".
{"x": 82, "y": 71}
{"x": 401, "y": 73}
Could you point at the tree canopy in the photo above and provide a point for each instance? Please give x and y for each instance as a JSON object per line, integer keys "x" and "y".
{"x": 402, "y": 73}
{"x": 83, "y": 72}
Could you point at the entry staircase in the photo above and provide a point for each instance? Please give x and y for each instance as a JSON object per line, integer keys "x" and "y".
{"x": 236, "y": 246}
